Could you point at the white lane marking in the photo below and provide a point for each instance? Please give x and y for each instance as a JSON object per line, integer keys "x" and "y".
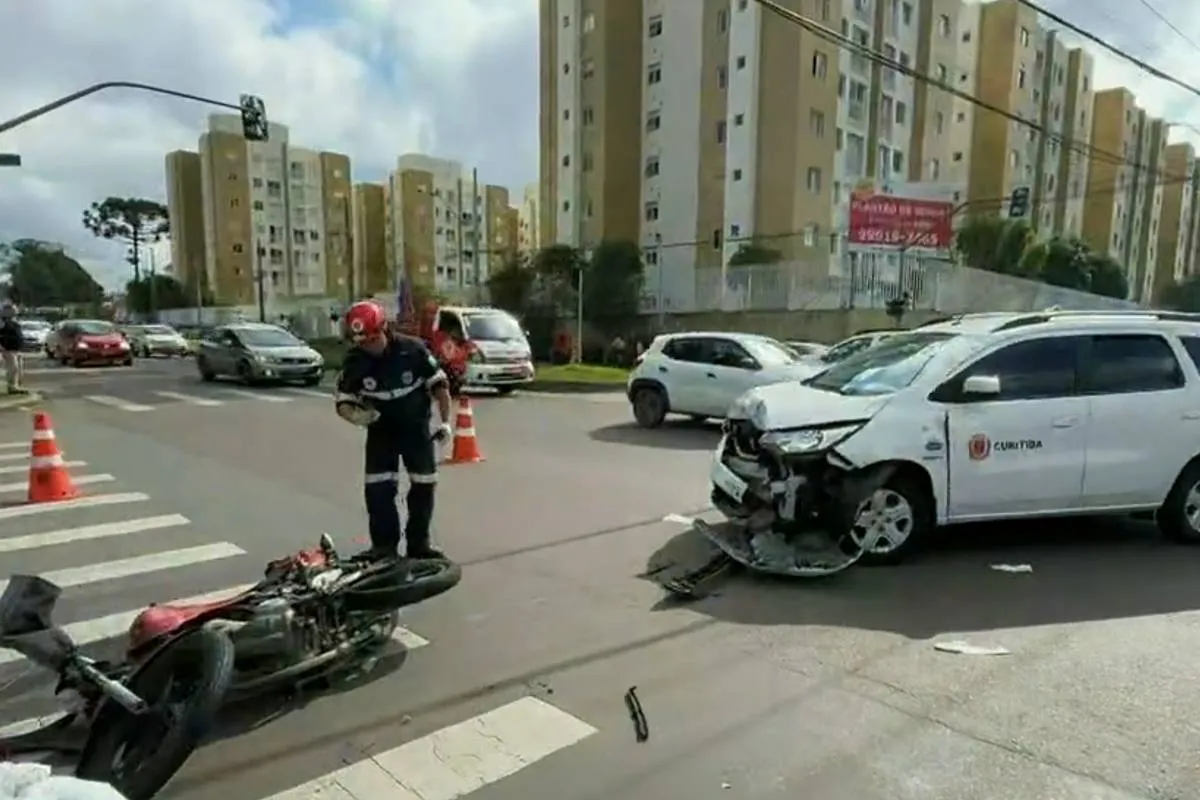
{"x": 456, "y": 760}
{"x": 310, "y": 393}
{"x": 98, "y": 629}
{"x": 93, "y": 501}
{"x": 116, "y": 402}
{"x": 190, "y": 399}
{"x": 127, "y": 567}
{"x": 260, "y": 396}
{"x": 13, "y": 456}
{"x": 28, "y": 725}
{"x": 87, "y": 533}
{"x": 13, "y": 445}
{"x": 679, "y": 518}
{"x": 78, "y": 480}
{"x": 25, "y": 467}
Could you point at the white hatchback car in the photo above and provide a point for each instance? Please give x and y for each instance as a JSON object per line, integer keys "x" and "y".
{"x": 701, "y": 374}
{"x": 979, "y": 417}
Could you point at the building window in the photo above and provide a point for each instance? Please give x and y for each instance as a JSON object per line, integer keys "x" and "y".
{"x": 739, "y": 120}
{"x": 566, "y": 68}
{"x": 721, "y": 131}
{"x": 656, "y": 23}
{"x": 589, "y": 115}
{"x": 716, "y": 238}
{"x": 235, "y": 202}
{"x": 1024, "y": 37}
{"x": 722, "y": 76}
{"x": 651, "y": 166}
{"x": 944, "y": 26}
{"x": 653, "y": 121}
{"x": 816, "y": 123}
{"x": 588, "y": 68}
{"x": 737, "y": 174}
{"x": 256, "y": 183}
{"x": 239, "y": 248}
{"x": 589, "y": 22}
{"x": 722, "y": 20}
{"x": 820, "y": 64}
{"x": 654, "y": 74}
{"x": 740, "y": 62}
{"x": 651, "y": 212}
{"x": 813, "y": 179}
{"x": 566, "y": 160}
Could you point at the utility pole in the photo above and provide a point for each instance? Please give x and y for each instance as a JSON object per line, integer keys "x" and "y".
{"x": 475, "y": 248}
{"x": 348, "y": 254}
{"x": 662, "y": 307}
{"x": 150, "y": 298}
{"x": 586, "y": 257}
{"x": 199, "y": 294}
{"x": 258, "y": 277}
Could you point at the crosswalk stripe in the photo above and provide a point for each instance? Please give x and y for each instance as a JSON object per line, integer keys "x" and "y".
{"x": 19, "y": 468}
{"x": 79, "y": 480}
{"x": 13, "y": 445}
{"x": 116, "y": 402}
{"x": 456, "y": 760}
{"x": 90, "y": 631}
{"x": 261, "y": 396}
{"x": 13, "y": 456}
{"x": 87, "y": 533}
{"x": 128, "y": 567}
{"x": 310, "y": 393}
{"x": 92, "y": 501}
{"x": 190, "y": 399}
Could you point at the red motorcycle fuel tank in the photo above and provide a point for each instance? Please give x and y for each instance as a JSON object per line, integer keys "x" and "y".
{"x": 157, "y": 621}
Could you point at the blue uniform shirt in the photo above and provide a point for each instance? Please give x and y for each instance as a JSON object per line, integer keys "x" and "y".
{"x": 397, "y": 382}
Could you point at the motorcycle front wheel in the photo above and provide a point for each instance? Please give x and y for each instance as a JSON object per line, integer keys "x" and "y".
{"x": 400, "y": 583}
{"x": 184, "y": 684}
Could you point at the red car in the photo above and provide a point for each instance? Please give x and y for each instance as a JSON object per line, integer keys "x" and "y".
{"x": 89, "y": 341}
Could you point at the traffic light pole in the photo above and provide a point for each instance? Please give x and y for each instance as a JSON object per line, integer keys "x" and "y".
{"x": 66, "y": 100}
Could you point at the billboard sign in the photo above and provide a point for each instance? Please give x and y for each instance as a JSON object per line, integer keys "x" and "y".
{"x": 887, "y": 220}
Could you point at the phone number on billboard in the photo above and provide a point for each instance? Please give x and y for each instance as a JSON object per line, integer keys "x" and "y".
{"x": 893, "y": 236}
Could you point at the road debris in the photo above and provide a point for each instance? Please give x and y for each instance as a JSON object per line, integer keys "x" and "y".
{"x": 963, "y": 648}
{"x": 1021, "y": 568}
{"x": 641, "y": 728}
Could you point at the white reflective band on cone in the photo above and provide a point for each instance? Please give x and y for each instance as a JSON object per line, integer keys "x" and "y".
{"x": 42, "y": 436}
{"x": 465, "y": 432}
{"x": 46, "y": 462}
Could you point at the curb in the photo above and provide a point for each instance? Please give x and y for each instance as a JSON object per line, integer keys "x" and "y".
{"x": 20, "y": 402}
{"x": 572, "y": 387}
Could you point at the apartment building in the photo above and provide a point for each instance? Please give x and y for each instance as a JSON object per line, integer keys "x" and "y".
{"x": 185, "y": 207}
{"x": 1176, "y": 218}
{"x": 276, "y": 218}
{"x": 1071, "y": 191}
{"x": 444, "y": 228}
{"x": 371, "y": 268}
{"x": 1123, "y": 199}
{"x": 529, "y": 219}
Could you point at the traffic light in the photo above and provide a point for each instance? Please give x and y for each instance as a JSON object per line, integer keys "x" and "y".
{"x": 254, "y": 118}
{"x": 1018, "y": 203}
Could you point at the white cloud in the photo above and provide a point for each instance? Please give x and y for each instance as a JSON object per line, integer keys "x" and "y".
{"x": 371, "y": 78}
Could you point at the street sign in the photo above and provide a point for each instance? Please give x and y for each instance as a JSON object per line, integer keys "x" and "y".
{"x": 254, "y": 118}
{"x": 10, "y": 160}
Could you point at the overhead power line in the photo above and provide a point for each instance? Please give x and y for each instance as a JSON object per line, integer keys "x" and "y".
{"x": 1150, "y": 6}
{"x": 1112, "y": 48}
{"x": 829, "y": 35}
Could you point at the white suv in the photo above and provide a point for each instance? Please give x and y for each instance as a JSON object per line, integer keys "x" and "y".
{"x": 701, "y": 374}
{"x": 977, "y": 417}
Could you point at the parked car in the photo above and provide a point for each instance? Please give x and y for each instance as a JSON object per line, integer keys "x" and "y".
{"x": 156, "y": 340}
{"x": 849, "y": 346}
{"x": 255, "y": 353}
{"x": 807, "y": 349}
{"x": 89, "y": 341}
{"x": 701, "y": 374}
{"x": 33, "y": 333}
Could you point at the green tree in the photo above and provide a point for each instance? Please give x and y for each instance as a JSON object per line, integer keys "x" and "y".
{"x": 132, "y": 220}
{"x": 612, "y": 281}
{"x": 753, "y": 253}
{"x": 511, "y": 286}
{"x": 155, "y": 292}
{"x": 558, "y": 268}
{"x": 41, "y": 274}
{"x": 1106, "y": 276}
{"x": 1060, "y": 262}
{"x": 1182, "y": 296}
{"x": 993, "y": 243}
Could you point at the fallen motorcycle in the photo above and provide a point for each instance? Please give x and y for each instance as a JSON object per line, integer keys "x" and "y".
{"x": 313, "y": 615}
{"x": 141, "y": 721}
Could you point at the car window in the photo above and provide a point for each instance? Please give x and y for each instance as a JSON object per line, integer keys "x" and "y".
{"x": 157, "y": 330}
{"x": 689, "y": 348}
{"x": 885, "y": 369}
{"x": 268, "y": 337}
{"x": 1192, "y": 345}
{"x": 769, "y": 352}
{"x": 1033, "y": 369}
{"x": 727, "y": 353}
{"x": 1124, "y": 363}
{"x": 846, "y": 349}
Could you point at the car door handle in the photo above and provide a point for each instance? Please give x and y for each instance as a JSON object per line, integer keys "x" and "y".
{"x": 662, "y": 370}
{"x": 1065, "y": 422}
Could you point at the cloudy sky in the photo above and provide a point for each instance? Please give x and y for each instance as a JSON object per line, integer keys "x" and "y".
{"x": 372, "y": 78}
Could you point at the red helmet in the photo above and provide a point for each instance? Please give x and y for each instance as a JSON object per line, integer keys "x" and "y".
{"x": 364, "y": 320}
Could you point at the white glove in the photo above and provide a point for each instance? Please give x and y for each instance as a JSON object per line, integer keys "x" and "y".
{"x": 442, "y": 433}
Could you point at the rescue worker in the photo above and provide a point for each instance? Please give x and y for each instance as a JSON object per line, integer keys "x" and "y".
{"x": 386, "y": 385}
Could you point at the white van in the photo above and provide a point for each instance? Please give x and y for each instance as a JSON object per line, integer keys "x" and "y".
{"x": 501, "y": 357}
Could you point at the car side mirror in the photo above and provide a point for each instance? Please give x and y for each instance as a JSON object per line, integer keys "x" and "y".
{"x": 980, "y": 386}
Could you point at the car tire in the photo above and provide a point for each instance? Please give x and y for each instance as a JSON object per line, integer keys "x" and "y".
{"x": 916, "y": 496}
{"x": 206, "y": 374}
{"x": 245, "y": 375}
{"x": 1178, "y": 518}
{"x": 312, "y": 381}
{"x": 649, "y": 406}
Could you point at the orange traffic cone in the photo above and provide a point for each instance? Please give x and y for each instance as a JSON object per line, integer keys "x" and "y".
{"x": 466, "y": 446}
{"x": 49, "y": 480}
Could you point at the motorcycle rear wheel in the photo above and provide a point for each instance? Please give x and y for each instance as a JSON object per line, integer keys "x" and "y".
{"x": 118, "y": 753}
{"x": 401, "y": 583}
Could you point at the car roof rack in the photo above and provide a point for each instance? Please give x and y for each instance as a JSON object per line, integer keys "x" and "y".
{"x": 1052, "y": 314}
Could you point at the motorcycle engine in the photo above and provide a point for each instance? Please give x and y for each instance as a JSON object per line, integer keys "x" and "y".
{"x": 270, "y": 631}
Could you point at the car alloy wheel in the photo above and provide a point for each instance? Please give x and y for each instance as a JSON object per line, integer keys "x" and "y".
{"x": 884, "y": 522}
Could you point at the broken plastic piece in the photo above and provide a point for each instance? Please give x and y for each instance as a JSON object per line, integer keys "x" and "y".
{"x": 1013, "y": 567}
{"x": 641, "y": 728}
{"x": 968, "y": 649}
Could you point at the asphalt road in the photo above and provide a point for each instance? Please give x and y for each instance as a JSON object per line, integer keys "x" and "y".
{"x": 512, "y": 685}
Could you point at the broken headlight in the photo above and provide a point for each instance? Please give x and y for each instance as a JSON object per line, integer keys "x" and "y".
{"x": 808, "y": 440}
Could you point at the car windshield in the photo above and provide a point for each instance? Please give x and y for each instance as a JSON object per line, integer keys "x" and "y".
{"x": 886, "y": 368}
{"x": 33, "y": 324}
{"x": 268, "y": 337}
{"x": 498, "y": 327}
{"x": 158, "y": 330}
{"x": 846, "y": 348}
{"x": 769, "y": 352}
{"x": 94, "y": 327}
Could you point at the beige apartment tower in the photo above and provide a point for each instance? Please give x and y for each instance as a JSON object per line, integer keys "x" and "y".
{"x": 336, "y": 204}
{"x": 370, "y": 245}
{"x": 185, "y": 208}
{"x": 1176, "y": 218}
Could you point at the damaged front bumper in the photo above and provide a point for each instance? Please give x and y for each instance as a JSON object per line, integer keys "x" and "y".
{"x": 791, "y": 501}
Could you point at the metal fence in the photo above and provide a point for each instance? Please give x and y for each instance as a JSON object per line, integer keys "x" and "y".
{"x": 870, "y": 281}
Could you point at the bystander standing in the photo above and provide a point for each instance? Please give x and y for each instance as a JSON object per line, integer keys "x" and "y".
{"x": 10, "y": 349}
